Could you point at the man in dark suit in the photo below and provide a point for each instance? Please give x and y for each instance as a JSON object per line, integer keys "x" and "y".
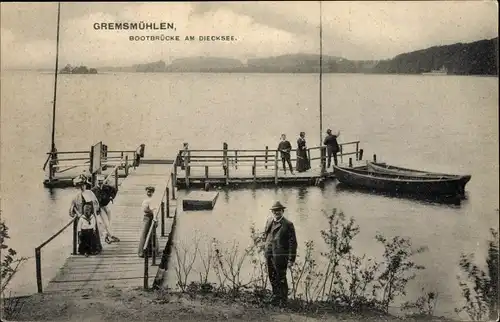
{"x": 281, "y": 250}
{"x": 285, "y": 147}
{"x": 332, "y": 146}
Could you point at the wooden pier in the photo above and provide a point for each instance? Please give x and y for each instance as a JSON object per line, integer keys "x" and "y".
{"x": 227, "y": 167}
{"x": 119, "y": 264}
{"x": 63, "y": 166}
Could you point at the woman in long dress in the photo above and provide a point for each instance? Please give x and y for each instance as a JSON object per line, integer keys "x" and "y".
{"x": 303, "y": 163}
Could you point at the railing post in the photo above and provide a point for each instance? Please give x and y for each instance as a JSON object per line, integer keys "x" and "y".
{"x": 375, "y": 158}
{"x": 38, "y": 262}
{"x": 163, "y": 216}
{"x": 224, "y": 157}
{"x": 188, "y": 172}
{"x": 360, "y": 154}
{"x": 167, "y": 211}
{"x": 265, "y": 160}
{"x": 146, "y": 270}
{"x": 116, "y": 177}
{"x": 357, "y": 151}
{"x": 350, "y": 162}
{"x": 206, "y": 172}
{"x": 341, "y": 153}
{"x": 75, "y": 235}
{"x": 236, "y": 159}
{"x": 254, "y": 168}
{"x": 323, "y": 161}
{"x": 51, "y": 169}
{"x": 176, "y": 163}
{"x": 126, "y": 165}
{"x": 309, "y": 156}
{"x": 173, "y": 180}
{"x": 153, "y": 243}
{"x": 276, "y": 168}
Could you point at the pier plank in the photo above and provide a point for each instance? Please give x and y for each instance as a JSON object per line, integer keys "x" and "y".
{"x": 119, "y": 265}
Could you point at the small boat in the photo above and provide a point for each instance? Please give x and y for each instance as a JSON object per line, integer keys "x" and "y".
{"x": 401, "y": 183}
{"x": 386, "y": 168}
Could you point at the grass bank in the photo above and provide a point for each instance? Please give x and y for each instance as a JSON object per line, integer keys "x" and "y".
{"x": 110, "y": 304}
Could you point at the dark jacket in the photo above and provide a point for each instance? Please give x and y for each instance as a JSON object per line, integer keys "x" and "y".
{"x": 285, "y": 147}
{"x": 284, "y": 242}
{"x": 331, "y": 143}
{"x": 104, "y": 194}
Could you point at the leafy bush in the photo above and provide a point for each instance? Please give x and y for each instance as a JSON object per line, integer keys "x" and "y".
{"x": 479, "y": 287}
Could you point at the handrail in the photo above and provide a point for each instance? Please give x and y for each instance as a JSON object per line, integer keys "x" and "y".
{"x": 74, "y": 221}
{"x": 151, "y": 235}
{"x": 38, "y": 253}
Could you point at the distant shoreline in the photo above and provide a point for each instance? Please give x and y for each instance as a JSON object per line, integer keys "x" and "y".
{"x": 246, "y": 72}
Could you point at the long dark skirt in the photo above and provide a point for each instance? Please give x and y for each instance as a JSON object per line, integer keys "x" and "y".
{"x": 90, "y": 243}
{"x": 147, "y": 221}
{"x": 303, "y": 163}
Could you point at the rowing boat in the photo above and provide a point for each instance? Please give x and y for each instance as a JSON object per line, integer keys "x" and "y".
{"x": 401, "y": 182}
{"x": 386, "y": 168}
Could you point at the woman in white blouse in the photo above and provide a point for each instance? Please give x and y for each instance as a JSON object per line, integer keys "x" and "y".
{"x": 148, "y": 212}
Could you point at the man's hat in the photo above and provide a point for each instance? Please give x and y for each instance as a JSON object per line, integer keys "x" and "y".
{"x": 277, "y": 205}
{"x": 329, "y": 131}
{"x": 150, "y": 188}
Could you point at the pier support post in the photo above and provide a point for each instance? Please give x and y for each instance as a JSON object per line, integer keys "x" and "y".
{"x": 267, "y": 151}
{"x": 276, "y": 168}
{"x": 38, "y": 262}
{"x": 162, "y": 205}
{"x": 374, "y": 158}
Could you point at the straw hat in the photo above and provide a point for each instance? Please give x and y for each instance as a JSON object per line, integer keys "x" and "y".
{"x": 81, "y": 179}
{"x": 150, "y": 188}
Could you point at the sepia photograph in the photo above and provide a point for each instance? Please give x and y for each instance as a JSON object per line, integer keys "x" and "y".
{"x": 249, "y": 161}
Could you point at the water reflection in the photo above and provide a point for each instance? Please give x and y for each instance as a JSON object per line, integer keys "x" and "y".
{"x": 302, "y": 194}
{"x": 421, "y": 198}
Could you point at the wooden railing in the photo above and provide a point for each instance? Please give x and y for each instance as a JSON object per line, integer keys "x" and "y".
{"x": 265, "y": 159}
{"x": 161, "y": 213}
{"x": 81, "y": 159}
{"x": 74, "y": 222}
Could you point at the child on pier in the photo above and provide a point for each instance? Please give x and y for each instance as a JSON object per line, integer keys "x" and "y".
{"x": 90, "y": 243}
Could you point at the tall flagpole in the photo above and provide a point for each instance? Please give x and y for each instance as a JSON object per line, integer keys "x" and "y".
{"x": 320, "y": 76}
{"x": 53, "y": 145}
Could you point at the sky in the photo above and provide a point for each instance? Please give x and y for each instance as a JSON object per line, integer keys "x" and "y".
{"x": 358, "y": 30}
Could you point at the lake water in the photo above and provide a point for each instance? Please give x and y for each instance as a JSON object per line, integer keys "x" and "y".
{"x": 447, "y": 124}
